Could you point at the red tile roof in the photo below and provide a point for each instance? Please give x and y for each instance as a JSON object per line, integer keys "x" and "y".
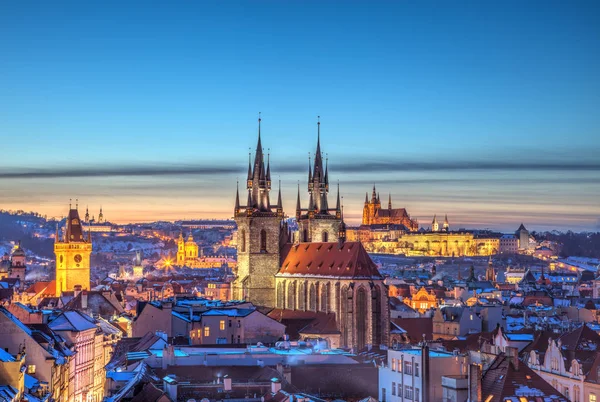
{"x": 307, "y": 322}
{"x": 350, "y": 260}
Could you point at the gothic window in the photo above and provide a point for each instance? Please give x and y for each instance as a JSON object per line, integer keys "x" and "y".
{"x": 291, "y": 296}
{"x": 305, "y": 235}
{"x": 243, "y": 241}
{"x": 263, "y": 241}
{"x": 280, "y": 295}
{"x": 361, "y": 318}
{"x": 324, "y": 236}
{"x": 312, "y": 298}
{"x": 325, "y": 298}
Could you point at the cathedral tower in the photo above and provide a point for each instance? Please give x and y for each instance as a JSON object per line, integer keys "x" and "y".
{"x": 318, "y": 222}
{"x": 72, "y": 255}
{"x": 260, "y": 234}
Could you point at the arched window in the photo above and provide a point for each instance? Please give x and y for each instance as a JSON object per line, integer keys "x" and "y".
{"x": 305, "y": 235}
{"x": 312, "y": 297}
{"x": 242, "y": 241}
{"x": 263, "y": 241}
{"x": 324, "y": 236}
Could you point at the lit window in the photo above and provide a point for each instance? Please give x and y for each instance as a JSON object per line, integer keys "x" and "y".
{"x": 393, "y": 364}
{"x": 31, "y": 369}
{"x": 592, "y": 398}
{"x": 206, "y": 331}
{"x": 222, "y": 325}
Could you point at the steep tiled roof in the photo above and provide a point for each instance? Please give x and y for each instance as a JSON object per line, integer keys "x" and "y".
{"x": 350, "y": 260}
{"x": 297, "y": 322}
{"x": 503, "y": 381}
{"x": 416, "y": 327}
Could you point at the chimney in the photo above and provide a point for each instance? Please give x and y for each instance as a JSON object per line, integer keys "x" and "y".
{"x": 76, "y": 290}
{"x": 84, "y": 299}
{"x": 226, "y": 383}
{"x": 425, "y": 370}
{"x": 275, "y": 385}
{"x": 475, "y": 383}
{"x": 170, "y": 386}
{"x": 512, "y": 354}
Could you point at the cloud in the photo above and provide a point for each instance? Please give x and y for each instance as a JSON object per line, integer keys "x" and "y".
{"x": 381, "y": 166}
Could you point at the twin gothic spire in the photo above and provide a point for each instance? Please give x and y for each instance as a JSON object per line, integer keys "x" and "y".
{"x": 258, "y": 184}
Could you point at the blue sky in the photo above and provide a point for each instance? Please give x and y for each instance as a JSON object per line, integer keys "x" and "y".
{"x": 465, "y": 88}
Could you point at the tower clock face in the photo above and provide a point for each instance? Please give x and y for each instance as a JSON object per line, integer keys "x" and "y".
{"x": 77, "y": 258}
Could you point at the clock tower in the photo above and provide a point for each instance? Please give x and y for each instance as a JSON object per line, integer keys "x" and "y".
{"x": 72, "y": 253}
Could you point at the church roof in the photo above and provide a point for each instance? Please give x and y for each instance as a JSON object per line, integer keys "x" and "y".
{"x": 74, "y": 228}
{"x": 394, "y": 213}
{"x": 350, "y": 260}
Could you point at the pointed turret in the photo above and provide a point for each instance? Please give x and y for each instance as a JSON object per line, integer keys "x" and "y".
{"x": 249, "y": 179}
{"x": 374, "y": 195}
{"x": 338, "y": 208}
{"x": 378, "y": 199}
{"x": 249, "y": 205}
{"x": 446, "y": 224}
{"x": 366, "y": 198}
{"x": 87, "y": 214}
{"x": 327, "y": 173}
{"x": 311, "y": 205}
{"x": 269, "y": 170}
{"x": 279, "y": 203}
{"x": 390, "y": 201}
{"x": 237, "y": 199}
{"x": 324, "y": 204}
{"x": 309, "y": 172}
{"x": 342, "y": 230}
{"x": 298, "y": 207}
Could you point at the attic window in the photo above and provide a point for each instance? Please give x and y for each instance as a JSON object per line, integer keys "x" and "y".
{"x": 319, "y": 248}
{"x": 307, "y": 246}
{"x": 330, "y": 247}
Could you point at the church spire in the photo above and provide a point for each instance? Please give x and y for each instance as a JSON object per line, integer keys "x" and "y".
{"x": 390, "y": 201}
{"x": 366, "y": 198}
{"x": 327, "y": 172}
{"x": 318, "y": 170}
{"x": 374, "y": 195}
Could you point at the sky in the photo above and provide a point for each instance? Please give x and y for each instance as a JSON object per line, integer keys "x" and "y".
{"x": 484, "y": 111}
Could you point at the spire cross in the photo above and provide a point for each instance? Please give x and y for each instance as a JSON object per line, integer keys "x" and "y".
{"x": 70, "y": 199}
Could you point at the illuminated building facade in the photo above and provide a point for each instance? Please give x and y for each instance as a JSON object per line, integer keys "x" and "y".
{"x": 422, "y": 300}
{"x": 187, "y": 251}
{"x": 373, "y": 214}
{"x": 72, "y": 253}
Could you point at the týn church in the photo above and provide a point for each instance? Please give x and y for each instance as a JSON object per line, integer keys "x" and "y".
{"x": 318, "y": 274}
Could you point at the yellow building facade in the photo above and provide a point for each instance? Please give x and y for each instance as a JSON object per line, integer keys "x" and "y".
{"x": 422, "y": 301}
{"x": 187, "y": 251}
{"x": 72, "y": 252}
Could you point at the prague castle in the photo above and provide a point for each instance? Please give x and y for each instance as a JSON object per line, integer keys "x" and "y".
{"x": 319, "y": 272}
{"x": 73, "y": 251}
{"x": 373, "y": 214}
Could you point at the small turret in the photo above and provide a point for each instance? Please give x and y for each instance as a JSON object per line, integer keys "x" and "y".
{"x": 446, "y": 226}
{"x": 279, "y": 203}
{"x": 390, "y": 202}
{"x": 342, "y": 230}
{"x": 338, "y": 208}
{"x": 237, "y": 200}
{"x": 298, "y": 207}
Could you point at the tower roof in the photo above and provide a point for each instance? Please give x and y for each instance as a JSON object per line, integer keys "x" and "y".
{"x": 74, "y": 227}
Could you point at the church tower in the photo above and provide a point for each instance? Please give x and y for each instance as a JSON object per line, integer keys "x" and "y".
{"x": 72, "y": 253}
{"x": 180, "y": 251}
{"x": 260, "y": 234}
{"x": 138, "y": 269}
{"x": 490, "y": 273}
{"x": 435, "y": 226}
{"x": 318, "y": 222}
{"x": 100, "y": 216}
